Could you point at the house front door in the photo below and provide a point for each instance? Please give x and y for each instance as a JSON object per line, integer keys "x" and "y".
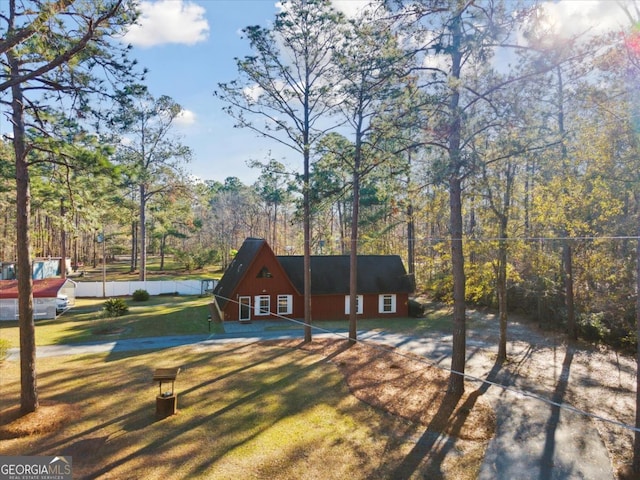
{"x": 245, "y": 309}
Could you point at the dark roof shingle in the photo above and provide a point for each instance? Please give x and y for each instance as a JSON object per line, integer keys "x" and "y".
{"x": 330, "y": 274}
{"x": 237, "y": 269}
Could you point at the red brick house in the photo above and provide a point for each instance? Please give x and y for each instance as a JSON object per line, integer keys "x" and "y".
{"x": 258, "y": 285}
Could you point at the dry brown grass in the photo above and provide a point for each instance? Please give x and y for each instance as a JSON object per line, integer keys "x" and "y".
{"x": 48, "y": 418}
{"x": 404, "y": 385}
{"x": 275, "y": 410}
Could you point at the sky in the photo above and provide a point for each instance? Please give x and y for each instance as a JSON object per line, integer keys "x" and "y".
{"x": 189, "y": 46}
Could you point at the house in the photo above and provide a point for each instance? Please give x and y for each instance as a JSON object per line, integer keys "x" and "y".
{"x": 50, "y": 267}
{"x": 260, "y": 285}
{"x": 50, "y": 297}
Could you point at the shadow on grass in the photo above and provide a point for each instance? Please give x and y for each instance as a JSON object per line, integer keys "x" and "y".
{"x": 441, "y": 435}
{"x": 242, "y": 396}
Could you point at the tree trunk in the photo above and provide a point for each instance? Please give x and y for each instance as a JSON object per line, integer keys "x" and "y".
{"x": 163, "y": 244}
{"x": 142, "y": 241}
{"x": 567, "y": 261}
{"x": 636, "y": 437}
{"x": 459, "y": 347}
{"x": 567, "y": 254}
{"x": 503, "y": 247}
{"x": 134, "y": 248}
{"x": 341, "y": 222}
{"x": 411, "y": 241}
{"x": 307, "y": 243}
{"x": 274, "y": 241}
{"x": 28, "y": 381}
{"x": 63, "y": 243}
{"x": 502, "y": 292}
{"x": 353, "y": 253}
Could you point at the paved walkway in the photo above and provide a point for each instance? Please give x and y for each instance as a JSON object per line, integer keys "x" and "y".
{"x": 534, "y": 440}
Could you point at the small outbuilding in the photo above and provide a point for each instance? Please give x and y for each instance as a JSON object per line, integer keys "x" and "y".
{"x": 258, "y": 285}
{"x": 50, "y": 297}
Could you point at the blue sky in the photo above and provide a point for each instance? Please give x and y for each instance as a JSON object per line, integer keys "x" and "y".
{"x": 189, "y": 47}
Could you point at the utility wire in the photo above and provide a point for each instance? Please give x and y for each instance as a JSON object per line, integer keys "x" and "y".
{"x": 423, "y": 360}
{"x": 467, "y": 238}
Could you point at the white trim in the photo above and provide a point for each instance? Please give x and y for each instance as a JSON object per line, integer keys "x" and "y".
{"x": 262, "y": 305}
{"x": 359, "y": 303}
{"x": 244, "y": 301}
{"x": 288, "y": 310}
{"x": 382, "y": 306}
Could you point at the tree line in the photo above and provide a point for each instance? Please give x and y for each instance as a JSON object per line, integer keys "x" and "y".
{"x": 498, "y": 155}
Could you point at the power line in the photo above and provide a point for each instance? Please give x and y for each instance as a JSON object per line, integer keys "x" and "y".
{"x": 522, "y": 239}
{"x": 423, "y": 360}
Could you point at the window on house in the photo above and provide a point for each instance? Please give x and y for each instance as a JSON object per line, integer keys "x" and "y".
{"x": 387, "y": 303}
{"x": 263, "y": 305}
{"x": 264, "y": 273}
{"x": 347, "y": 310}
{"x": 285, "y": 304}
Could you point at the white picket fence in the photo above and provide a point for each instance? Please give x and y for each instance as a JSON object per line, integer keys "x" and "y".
{"x": 154, "y": 287}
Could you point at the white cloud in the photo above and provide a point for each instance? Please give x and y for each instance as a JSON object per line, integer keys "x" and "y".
{"x": 168, "y": 21}
{"x": 583, "y": 17}
{"x": 185, "y": 118}
{"x": 353, "y": 8}
{"x": 253, "y": 92}
{"x": 350, "y": 8}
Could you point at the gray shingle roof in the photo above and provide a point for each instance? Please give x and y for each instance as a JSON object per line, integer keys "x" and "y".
{"x": 237, "y": 269}
{"x": 330, "y": 274}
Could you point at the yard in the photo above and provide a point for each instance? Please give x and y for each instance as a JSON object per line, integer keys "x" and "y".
{"x": 286, "y": 410}
{"x": 263, "y": 410}
{"x": 245, "y": 411}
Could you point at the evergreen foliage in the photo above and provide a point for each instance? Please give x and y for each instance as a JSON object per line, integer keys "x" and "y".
{"x": 140, "y": 295}
{"x": 115, "y": 307}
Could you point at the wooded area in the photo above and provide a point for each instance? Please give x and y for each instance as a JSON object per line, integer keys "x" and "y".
{"x": 500, "y": 158}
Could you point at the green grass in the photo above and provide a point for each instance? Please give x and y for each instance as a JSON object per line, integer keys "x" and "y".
{"x": 120, "y": 270}
{"x": 245, "y": 411}
{"x": 436, "y": 321}
{"x": 159, "y": 316}
{"x": 184, "y": 315}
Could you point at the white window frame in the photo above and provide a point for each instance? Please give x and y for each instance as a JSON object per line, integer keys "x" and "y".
{"x": 359, "y": 303}
{"x": 260, "y": 308}
{"x": 382, "y": 304}
{"x": 244, "y": 307}
{"x": 287, "y": 304}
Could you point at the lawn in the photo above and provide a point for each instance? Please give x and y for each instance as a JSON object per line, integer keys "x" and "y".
{"x": 159, "y": 316}
{"x": 262, "y": 410}
{"x": 120, "y": 270}
{"x": 179, "y": 315}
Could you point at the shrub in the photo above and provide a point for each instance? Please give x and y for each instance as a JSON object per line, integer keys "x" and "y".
{"x": 416, "y": 309}
{"x": 196, "y": 258}
{"x": 4, "y": 349}
{"x": 592, "y": 327}
{"x": 115, "y": 307}
{"x": 140, "y": 295}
